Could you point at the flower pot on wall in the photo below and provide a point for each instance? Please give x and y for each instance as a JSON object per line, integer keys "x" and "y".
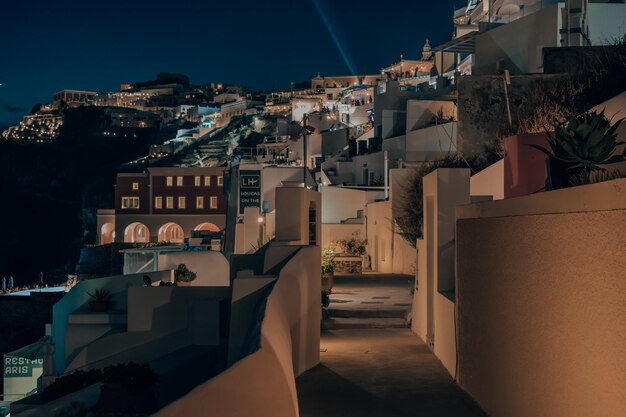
{"x": 328, "y": 281}
{"x": 524, "y": 166}
{"x": 183, "y": 284}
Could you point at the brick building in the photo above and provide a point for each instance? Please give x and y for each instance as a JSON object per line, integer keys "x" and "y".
{"x": 164, "y": 205}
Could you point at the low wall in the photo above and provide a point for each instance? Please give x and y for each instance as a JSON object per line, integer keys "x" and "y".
{"x": 263, "y": 383}
{"x": 540, "y": 301}
{"x": 78, "y": 297}
{"x": 211, "y": 267}
{"x": 160, "y": 320}
{"x": 332, "y": 232}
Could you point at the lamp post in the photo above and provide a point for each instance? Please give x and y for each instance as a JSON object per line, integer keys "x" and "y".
{"x": 305, "y": 131}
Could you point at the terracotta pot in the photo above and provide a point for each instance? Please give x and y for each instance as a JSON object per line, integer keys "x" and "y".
{"x": 183, "y": 284}
{"x": 327, "y": 281}
{"x": 99, "y": 306}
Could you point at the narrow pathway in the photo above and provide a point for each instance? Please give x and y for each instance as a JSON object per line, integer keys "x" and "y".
{"x": 379, "y": 373}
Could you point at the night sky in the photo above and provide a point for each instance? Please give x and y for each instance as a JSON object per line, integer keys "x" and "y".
{"x": 46, "y": 46}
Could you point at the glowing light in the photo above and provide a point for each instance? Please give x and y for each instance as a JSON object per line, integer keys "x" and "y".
{"x": 333, "y": 35}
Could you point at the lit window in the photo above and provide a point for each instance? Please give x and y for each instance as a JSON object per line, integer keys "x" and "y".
{"x": 170, "y": 181}
{"x": 169, "y": 202}
{"x": 207, "y": 180}
{"x": 196, "y": 180}
{"x": 199, "y": 202}
{"x": 135, "y": 186}
{"x": 130, "y": 202}
{"x": 179, "y": 181}
{"x": 158, "y": 202}
{"x": 213, "y": 202}
{"x": 220, "y": 181}
{"x": 181, "y": 202}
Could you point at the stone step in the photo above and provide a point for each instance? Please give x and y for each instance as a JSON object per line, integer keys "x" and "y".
{"x": 337, "y": 323}
{"x": 372, "y": 313}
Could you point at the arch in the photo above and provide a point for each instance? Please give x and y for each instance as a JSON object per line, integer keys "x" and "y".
{"x": 207, "y": 227}
{"x": 107, "y": 233}
{"x": 137, "y": 233}
{"x": 171, "y": 232}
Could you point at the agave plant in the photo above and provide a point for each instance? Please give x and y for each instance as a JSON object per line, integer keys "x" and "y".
{"x": 585, "y": 142}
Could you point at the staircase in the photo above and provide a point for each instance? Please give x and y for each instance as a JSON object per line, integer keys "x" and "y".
{"x": 369, "y": 302}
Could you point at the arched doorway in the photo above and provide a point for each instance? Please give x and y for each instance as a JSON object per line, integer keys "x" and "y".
{"x": 136, "y": 233}
{"x": 107, "y": 234}
{"x": 209, "y": 227}
{"x": 171, "y": 232}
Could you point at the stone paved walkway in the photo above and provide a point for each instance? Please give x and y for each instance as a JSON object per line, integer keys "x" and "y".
{"x": 379, "y": 373}
{"x": 371, "y": 292}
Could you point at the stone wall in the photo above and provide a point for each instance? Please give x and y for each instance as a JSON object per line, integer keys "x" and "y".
{"x": 482, "y": 106}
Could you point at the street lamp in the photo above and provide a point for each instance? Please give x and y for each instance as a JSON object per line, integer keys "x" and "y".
{"x": 305, "y": 131}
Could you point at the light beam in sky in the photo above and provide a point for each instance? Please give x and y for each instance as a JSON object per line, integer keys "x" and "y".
{"x": 333, "y": 35}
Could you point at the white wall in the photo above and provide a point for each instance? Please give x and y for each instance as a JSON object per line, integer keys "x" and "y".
{"x": 431, "y": 143}
{"x": 273, "y": 177}
{"x": 489, "y": 181}
{"x": 433, "y": 301}
{"x": 341, "y": 203}
{"x": 263, "y": 384}
{"x": 420, "y": 113}
{"x": 211, "y": 267}
{"x": 518, "y": 45}
{"x": 332, "y": 232}
{"x": 380, "y": 236}
{"x": 540, "y": 302}
{"x": 607, "y": 23}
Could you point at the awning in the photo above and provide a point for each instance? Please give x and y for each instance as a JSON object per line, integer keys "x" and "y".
{"x": 465, "y": 44}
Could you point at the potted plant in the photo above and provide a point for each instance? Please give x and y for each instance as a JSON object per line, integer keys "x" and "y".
{"x": 325, "y": 304}
{"x": 99, "y": 300}
{"x": 328, "y": 269}
{"x": 128, "y": 387}
{"x": 183, "y": 276}
{"x": 580, "y": 147}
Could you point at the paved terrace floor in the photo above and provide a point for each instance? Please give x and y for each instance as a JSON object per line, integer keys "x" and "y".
{"x": 379, "y": 373}
{"x": 372, "y": 292}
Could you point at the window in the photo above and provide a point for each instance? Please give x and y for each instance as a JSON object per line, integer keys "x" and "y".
{"x": 220, "y": 180}
{"x": 196, "y": 180}
{"x": 199, "y": 202}
{"x": 169, "y": 181}
{"x": 181, "y": 202}
{"x": 158, "y": 202}
{"x": 207, "y": 180}
{"x": 179, "y": 181}
{"x": 213, "y": 202}
{"x": 130, "y": 202}
{"x": 135, "y": 186}
{"x": 169, "y": 202}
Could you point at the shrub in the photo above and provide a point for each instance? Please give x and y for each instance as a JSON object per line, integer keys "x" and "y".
{"x": 70, "y": 383}
{"x": 581, "y": 145}
{"x": 183, "y": 274}
{"x": 325, "y": 298}
{"x": 328, "y": 261}
{"x": 136, "y": 377}
{"x": 353, "y": 246}
{"x": 408, "y": 222}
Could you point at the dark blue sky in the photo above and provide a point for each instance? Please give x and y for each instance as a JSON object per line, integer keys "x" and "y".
{"x": 46, "y": 46}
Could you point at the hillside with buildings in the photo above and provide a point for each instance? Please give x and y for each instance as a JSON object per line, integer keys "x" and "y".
{"x": 444, "y": 236}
